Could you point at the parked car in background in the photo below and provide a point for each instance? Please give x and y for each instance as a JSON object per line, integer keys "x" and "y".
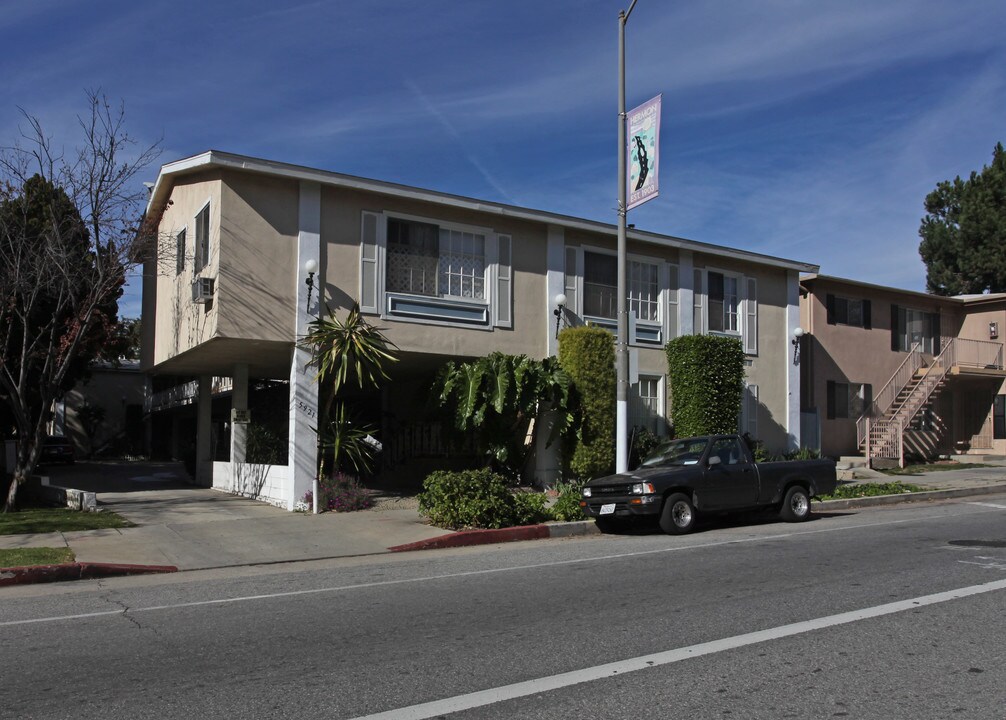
{"x": 56, "y": 450}
{"x": 707, "y": 475}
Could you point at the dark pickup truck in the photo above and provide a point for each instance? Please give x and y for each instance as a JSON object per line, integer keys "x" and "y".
{"x": 713, "y": 474}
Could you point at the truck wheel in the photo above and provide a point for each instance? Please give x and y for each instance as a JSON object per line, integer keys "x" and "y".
{"x": 796, "y": 505}
{"x": 678, "y": 516}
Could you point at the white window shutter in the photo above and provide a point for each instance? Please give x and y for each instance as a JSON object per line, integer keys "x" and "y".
{"x": 370, "y": 291}
{"x": 672, "y": 301}
{"x": 751, "y": 316}
{"x": 503, "y": 302}
{"x": 699, "y": 319}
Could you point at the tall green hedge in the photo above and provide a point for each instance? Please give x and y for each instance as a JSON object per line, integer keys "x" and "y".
{"x": 706, "y": 373}
{"x": 587, "y": 354}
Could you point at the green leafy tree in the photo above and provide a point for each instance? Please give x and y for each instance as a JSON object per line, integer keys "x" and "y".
{"x": 964, "y": 232}
{"x": 706, "y": 373}
{"x": 500, "y": 396}
{"x": 346, "y": 351}
{"x": 69, "y": 233}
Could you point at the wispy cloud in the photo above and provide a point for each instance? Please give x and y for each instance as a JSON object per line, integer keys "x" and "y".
{"x": 453, "y": 133}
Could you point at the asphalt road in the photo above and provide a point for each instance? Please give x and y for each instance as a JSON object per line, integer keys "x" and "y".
{"x": 878, "y": 613}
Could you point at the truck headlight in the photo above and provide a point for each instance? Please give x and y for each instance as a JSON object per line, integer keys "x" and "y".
{"x": 586, "y": 492}
{"x": 642, "y": 489}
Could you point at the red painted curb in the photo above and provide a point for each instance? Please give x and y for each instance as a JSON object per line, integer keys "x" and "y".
{"x": 477, "y": 537}
{"x": 75, "y": 571}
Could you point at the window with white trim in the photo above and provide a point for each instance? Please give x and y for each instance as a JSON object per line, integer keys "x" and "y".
{"x": 427, "y": 270}
{"x": 724, "y": 299}
{"x": 726, "y": 303}
{"x": 643, "y": 290}
{"x": 600, "y": 285}
{"x": 646, "y": 409}
{"x": 435, "y": 260}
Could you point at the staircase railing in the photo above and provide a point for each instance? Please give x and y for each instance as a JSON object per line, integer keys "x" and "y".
{"x": 885, "y": 435}
{"x": 884, "y": 399}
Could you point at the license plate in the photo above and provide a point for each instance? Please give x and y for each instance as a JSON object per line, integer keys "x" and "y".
{"x": 608, "y": 509}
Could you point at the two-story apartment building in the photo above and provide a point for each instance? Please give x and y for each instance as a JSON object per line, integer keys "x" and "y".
{"x": 891, "y": 373}
{"x": 255, "y": 249}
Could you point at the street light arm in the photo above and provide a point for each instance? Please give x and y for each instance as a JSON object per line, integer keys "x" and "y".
{"x": 629, "y": 11}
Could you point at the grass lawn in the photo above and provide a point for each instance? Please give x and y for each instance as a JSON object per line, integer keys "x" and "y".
{"x": 860, "y": 490}
{"x": 50, "y": 519}
{"x": 931, "y": 467}
{"x": 24, "y": 557}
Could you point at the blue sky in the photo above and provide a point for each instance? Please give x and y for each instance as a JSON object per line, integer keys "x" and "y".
{"x": 808, "y": 130}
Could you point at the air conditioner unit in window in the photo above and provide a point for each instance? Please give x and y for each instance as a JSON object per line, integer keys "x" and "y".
{"x": 202, "y": 290}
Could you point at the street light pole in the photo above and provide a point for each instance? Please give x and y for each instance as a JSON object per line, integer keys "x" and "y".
{"x": 622, "y": 334}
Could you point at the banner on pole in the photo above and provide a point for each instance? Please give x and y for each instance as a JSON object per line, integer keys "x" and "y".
{"x": 643, "y": 135}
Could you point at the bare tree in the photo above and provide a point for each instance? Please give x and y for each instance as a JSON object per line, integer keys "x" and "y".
{"x": 70, "y": 230}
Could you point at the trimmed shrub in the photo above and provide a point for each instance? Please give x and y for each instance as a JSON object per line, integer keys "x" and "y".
{"x": 477, "y": 499}
{"x": 587, "y": 354}
{"x": 706, "y": 373}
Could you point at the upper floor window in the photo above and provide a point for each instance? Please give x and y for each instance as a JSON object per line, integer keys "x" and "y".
{"x": 848, "y": 400}
{"x": 426, "y": 270}
{"x": 180, "y": 252}
{"x": 848, "y": 311}
{"x": 910, "y": 327}
{"x": 643, "y": 290}
{"x": 437, "y": 261}
{"x": 600, "y": 287}
{"x": 202, "y": 244}
{"x": 724, "y": 301}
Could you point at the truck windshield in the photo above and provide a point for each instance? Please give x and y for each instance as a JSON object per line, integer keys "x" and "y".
{"x": 676, "y": 452}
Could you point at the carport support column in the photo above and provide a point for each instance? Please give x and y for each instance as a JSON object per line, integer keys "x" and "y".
{"x": 303, "y": 450}
{"x": 239, "y": 406}
{"x": 204, "y": 426}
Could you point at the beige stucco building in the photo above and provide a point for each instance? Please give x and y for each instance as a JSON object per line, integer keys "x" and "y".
{"x": 445, "y": 277}
{"x": 923, "y": 373}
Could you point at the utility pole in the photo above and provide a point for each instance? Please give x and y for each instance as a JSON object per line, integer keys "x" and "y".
{"x": 622, "y": 334}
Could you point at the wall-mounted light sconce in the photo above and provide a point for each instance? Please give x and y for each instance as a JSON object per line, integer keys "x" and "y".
{"x": 310, "y": 267}
{"x": 797, "y": 334}
{"x": 993, "y": 331}
{"x": 559, "y": 312}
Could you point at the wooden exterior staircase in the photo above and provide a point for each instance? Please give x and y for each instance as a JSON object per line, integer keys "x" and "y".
{"x": 880, "y": 431}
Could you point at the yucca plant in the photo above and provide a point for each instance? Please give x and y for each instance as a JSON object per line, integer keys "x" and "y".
{"x": 351, "y": 445}
{"x": 349, "y": 349}
{"x": 346, "y": 351}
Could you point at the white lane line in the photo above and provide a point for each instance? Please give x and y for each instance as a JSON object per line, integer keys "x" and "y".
{"x": 471, "y": 573}
{"x": 600, "y": 672}
{"x": 991, "y": 505}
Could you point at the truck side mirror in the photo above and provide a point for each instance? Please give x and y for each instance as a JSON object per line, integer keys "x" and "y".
{"x": 714, "y": 460}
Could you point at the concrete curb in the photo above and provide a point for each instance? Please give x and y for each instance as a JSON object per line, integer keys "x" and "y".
{"x": 466, "y": 538}
{"x": 75, "y": 571}
{"x": 908, "y": 497}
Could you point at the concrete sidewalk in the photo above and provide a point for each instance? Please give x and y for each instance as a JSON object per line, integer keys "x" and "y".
{"x": 188, "y": 528}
